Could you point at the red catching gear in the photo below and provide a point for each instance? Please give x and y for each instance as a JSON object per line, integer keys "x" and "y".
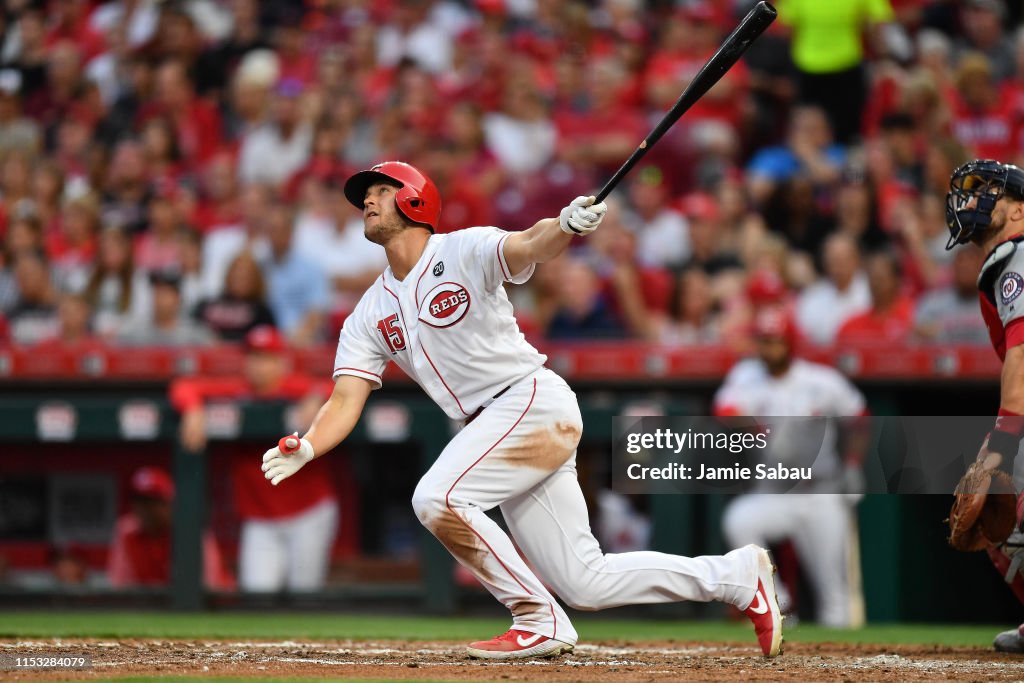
{"x": 1002, "y": 561}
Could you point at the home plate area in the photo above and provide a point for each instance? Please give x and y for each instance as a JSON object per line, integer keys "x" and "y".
{"x": 623, "y": 662}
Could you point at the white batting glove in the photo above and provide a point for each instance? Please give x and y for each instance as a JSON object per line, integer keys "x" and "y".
{"x": 582, "y": 216}
{"x": 287, "y": 458}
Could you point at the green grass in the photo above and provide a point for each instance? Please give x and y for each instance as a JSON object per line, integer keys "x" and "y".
{"x": 290, "y": 625}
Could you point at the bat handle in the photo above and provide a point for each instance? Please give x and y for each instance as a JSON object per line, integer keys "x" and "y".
{"x": 289, "y": 444}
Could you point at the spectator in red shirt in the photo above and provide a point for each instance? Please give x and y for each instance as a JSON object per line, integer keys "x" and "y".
{"x": 51, "y": 104}
{"x": 218, "y": 205}
{"x": 891, "y": 316}
{"x": 600, "y": 137}
{"x": 981, "y": 115}
{"x": 159, "y": 248}
{"x": 197, "y": 124}
{"x": 638, "y": 295}
{"x": 475, "y": 164}
{"x": 140, "y": 552}
{"x": 163, "y": 157}
{"x": 287, "y": 531}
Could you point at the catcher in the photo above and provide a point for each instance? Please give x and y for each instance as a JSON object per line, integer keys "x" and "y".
{"x": 985, "y": 207}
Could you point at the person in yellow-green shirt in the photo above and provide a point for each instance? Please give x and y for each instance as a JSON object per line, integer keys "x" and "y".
{"x": 827, "y": 49}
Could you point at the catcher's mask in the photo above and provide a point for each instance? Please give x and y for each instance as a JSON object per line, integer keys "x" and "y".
{"x": 984, "y": 181}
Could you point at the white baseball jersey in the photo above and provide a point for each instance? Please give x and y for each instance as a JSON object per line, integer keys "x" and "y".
{"x": 448, "y": 324}
{"x": 806, "y": 390}
{"x": 821, "y": 527}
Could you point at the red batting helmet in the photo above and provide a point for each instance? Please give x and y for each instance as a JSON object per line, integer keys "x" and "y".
{"x": 776, "y": 323}
{"x": 417, "y": 198}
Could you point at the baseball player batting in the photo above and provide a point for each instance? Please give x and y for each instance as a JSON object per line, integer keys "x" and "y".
{"x": 440, "y": 311}
{"x": 985, "y": 206}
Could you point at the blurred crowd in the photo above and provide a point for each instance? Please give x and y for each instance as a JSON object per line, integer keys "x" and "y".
{"x": 170, "y": 171}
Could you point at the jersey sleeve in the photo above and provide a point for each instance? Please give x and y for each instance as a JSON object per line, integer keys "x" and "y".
{"x": 358, "y": 353}
{"x": 1010, "y": 305}
{"x": 486, "y": 247}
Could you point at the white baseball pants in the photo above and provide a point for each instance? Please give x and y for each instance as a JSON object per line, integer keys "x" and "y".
{"x": 520, "y": 454}
{"x": 820, "y": 527}
{"x": 292, "y": 553}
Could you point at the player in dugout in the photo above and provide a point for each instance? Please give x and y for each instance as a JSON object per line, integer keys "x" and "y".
{"x": 985, "y": 206}
{"x": 140, "y": 552}
{"x": 286, "y": 534}
{"x": 819, "y": 517}
{"x": 440, "y": 311}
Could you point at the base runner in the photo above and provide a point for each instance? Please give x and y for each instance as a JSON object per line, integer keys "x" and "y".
{"x": 440, "y": 311}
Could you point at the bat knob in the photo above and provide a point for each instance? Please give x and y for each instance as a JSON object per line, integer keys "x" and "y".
{"x": 289, "y": 444}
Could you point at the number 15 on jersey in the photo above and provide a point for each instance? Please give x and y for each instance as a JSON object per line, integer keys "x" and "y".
{"x": 392, "y": 333}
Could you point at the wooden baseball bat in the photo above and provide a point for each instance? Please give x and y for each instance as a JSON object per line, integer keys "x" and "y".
{"x": 752, "y": 26}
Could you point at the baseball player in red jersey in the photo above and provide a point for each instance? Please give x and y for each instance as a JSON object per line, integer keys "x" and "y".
{"x": 440, "y": 311}
{"x": 286, "y": 534}
{"x": 985, "y": 206}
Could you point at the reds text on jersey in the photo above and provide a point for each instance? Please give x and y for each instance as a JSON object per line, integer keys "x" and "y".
{"x": 448, "y": 324}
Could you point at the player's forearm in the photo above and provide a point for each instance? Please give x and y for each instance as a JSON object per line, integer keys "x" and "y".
{"x": 1005, "y": 436}
{"x": 546, "y": 240}
{"x": 333, "y": 423}
{"x": 338, "y": 416}
{"x": 543, "y": 241}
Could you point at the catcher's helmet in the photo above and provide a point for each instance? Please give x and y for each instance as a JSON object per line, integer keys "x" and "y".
{"x": 417, "y": 198}
{"x": 985, "y": 181}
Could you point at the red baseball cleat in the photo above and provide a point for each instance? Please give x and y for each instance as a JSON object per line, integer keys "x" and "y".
{"x": 764, "y": 608}
{"x": 515, "y": 644}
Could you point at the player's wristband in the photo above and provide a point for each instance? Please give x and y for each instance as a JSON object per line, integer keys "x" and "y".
{"x": 1006, "y": 436}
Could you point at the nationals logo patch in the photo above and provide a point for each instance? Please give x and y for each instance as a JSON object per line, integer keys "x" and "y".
{"x": 1010, "y": 287}
{"x": 444, "y": 305}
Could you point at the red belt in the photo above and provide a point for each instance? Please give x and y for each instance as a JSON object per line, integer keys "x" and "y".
{"x": 476, "y": 413}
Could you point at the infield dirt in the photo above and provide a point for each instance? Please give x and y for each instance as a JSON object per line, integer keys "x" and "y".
{"x": 622, "y": 662}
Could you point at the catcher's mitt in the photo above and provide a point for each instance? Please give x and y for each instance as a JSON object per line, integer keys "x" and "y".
{"x": 985, "y": 510}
